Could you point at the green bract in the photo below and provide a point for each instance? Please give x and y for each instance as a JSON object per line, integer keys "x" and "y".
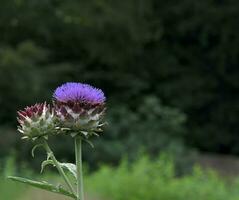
{"x": 36, "y": 121}
{"x": 80, "y": 119}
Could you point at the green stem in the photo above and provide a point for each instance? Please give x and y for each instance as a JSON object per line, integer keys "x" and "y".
{"x": 78, "y": 153}
{"x": 60, "y": 170}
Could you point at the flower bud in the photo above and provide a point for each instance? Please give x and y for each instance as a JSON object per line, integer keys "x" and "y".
{"x": 80, "y": 107}
{"x": 36, "y": 121}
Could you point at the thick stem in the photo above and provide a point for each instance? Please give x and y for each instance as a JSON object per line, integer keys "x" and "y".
{"x": 60, "y": 170}
{"x": 78, "y": 153}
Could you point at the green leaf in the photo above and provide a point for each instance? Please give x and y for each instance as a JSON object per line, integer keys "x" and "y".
{"x": 43, "y": 185}
{"x": 89, "y": 142}
{"x": 70, "y": 167}
{"x": 34, "y": 148}
{"x": 45, "y": 163}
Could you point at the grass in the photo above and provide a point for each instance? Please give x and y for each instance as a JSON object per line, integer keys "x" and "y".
{"x": 37, "y": 194}
{"x": 156, "y": 180}
{"x": 10, "y": 190}
{"x": 143, "y": 179}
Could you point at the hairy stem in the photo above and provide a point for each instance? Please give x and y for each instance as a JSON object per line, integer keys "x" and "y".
{"x": 59, "y": 168}
{"x": 78, "y": 153}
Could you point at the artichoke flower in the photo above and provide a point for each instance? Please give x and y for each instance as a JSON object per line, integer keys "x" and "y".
{"x": 79, "y": 108}
{"x": 36, "y": 121}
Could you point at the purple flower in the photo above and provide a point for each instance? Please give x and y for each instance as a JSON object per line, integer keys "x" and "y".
{"x": 78, "y": 92}
{"x": 79, "y": 107}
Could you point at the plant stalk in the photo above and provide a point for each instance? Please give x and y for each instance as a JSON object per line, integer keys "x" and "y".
{"x": 59, "y": 168}
{"x": 78, "y": 153}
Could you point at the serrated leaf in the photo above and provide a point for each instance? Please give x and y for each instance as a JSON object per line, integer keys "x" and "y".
{"x": 43, "y": 185}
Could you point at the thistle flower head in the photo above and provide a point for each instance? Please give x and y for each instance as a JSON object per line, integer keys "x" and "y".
{"x": 79, "y": 107}
{"x": 78, "y": 92}
{"x": 36, "y": 121}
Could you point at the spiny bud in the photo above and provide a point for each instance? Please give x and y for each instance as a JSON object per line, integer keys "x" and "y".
{"x": 36, "y": 121}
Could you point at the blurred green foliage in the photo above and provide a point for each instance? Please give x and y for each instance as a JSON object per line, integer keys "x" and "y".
{"x": 7, "y": 187}
{"x": 142, "y": 179}
{"x": 184, "y": 53}
{"x": 146, "y": 179}
{"x": 14, "y": 191}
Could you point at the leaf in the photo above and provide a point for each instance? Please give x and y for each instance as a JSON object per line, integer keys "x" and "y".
{"x": 85, "y": 133}
{"x": 48, "y": 161}
{"x": 43, "y": 185}
{"x": 34, "y": 148}
{"x": 89, "y": 142}
{"x": 74, "y": 134}
{"x": 70, "y": 167}
{"x": 45, "y": 163}
{"x": 96, "y": 134}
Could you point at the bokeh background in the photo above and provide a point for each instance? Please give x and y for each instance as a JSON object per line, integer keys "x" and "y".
{"x": 169, "y": 70}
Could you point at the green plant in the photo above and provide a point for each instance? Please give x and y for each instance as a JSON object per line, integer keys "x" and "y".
{"x": 156, "y": 180}
{"x": 6, "y": 186}
{"x": 77, "y": 111}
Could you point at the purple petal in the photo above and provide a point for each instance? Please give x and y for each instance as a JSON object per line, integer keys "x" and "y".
{"x": 78, "y": 92}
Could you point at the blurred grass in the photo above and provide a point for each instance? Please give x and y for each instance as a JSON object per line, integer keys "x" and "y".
{"x": 143, "y": 179}
{"x": 37, "y": 194}
{"x": 10, "y": 190}
{"x": 156, "y": 180}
